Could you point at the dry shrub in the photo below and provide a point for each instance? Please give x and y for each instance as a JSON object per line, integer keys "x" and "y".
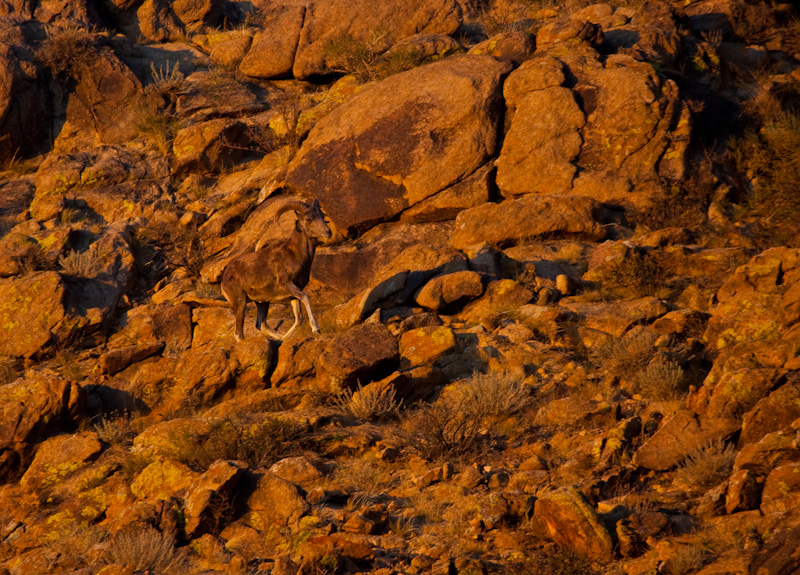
{"x": 157, "y": 120}
{"x": 706, "y": 467}
{"x": 66, "y": 51}
{"x": 768, "y": 159}
{"x": 627, "y": 355}
{"x": 661, "y": 380}
{"x": 639, "y": 274}
{"x": 454, "y": 424}
{"x": 116, "y": 429}
{"x": 31, "y": 258}
{"x": 347, "y": 54}
{"x": 86, "y": 264}
{"x": 553, "y": 560}
{"x": 147, "y": 550}
{"x": 370, "y": 402}
{"x": 686, "y": 559}
{"x": 257, "y": 441}
{"x": 165, "y": 246}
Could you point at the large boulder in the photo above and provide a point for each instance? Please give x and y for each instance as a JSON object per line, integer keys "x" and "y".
{"x": 214, "y": 490}
{"x": 402, "y": 140}
{"x": 33, "y": 408}
{"x": 108, "y": 182}
{"x": 570, "y": 521}
{"x": 103, "y": 108}
{"x": 59, "y": 457}
{"x": 610, "y": 131}
{"x": 362, "y": 354}
{"x": 311, "y": 37}
{"x": 26, "y": 115}
{"x": 678, "y": 436}
{"x": 758, "y": 301}
{"x": 161, "y": 21}
{"x": 274, "y": 501}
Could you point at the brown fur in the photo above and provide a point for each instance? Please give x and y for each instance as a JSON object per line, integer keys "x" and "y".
{"x": 277, "y": 272}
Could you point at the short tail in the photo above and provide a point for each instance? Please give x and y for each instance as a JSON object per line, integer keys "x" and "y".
{"x": 195, "y": 301}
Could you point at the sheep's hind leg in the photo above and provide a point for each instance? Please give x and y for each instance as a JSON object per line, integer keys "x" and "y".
{"x": 262, "y": 309}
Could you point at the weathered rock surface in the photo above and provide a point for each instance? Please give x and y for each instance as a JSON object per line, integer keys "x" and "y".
{"x": 32, "y": 312}
{"x": 570, "y": 521}
{"x": 679, "y": 436}
{"x": 351, "y": 149}
{"x": 528, "y": 218}
{"x": 629, "y": 118}
{"x": 362, "y": 354}
{"x": 275, "y": 501}
{"x": 59, "y": 457}
{"x": 26, "y": 119}
{"x": 214, "y": 488}
{"x": 448, "y": 291}
{"x": 305, "y": 38}
{"x": 34, "y": 408}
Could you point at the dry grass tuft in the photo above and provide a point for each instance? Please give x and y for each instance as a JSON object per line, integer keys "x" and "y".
{"x": 370, "y": 402}
{"x": 86, "y": 264}
{"x": 66, "y": 51}
{"x": 706, "y": 467}
{"x": 455, "y": 423}
{"x": 661, "y": 380}
{"x": 147, "y": 550}
{"x": 259, "y": 442}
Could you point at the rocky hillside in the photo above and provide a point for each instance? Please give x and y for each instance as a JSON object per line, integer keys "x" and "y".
{"x": 560, "y": 310}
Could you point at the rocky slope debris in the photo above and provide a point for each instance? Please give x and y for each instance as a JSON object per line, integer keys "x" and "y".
{"x": 559, "y": 312}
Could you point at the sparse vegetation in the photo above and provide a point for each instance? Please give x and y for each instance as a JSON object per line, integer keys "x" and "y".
{"x": 554, "y": 560}
{"x": 768, "y": 159}
{"x": 147, "y": 549}
{"x": 66, "y": 51}
{"x": 258, "y": 441}
{"x": 661, "y": 380}
{"x": 454, "y": 424}
{"x": 85, "y": 264}
{"x": 706, "y": 467}
{"x": 370, "y": 402}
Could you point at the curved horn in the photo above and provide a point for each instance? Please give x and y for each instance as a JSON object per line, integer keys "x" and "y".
{"x": 293, "y": 206}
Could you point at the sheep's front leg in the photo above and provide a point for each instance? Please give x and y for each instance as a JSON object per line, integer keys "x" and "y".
{"x": 298, "y": 316}
{"x": 301, "y": 295}
{"x": 238, "y": 301}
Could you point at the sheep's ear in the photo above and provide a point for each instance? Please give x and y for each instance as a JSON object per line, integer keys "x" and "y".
{"x": 316, "y": 203}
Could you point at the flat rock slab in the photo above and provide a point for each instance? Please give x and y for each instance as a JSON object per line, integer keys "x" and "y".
{"x": 402, "y": 140}
{"x": 528, "y": 218}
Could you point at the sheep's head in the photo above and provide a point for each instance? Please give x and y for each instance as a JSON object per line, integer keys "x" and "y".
{"x": 310, "y": 219}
